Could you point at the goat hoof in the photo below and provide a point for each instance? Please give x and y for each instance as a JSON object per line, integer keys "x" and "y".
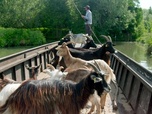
{"x": 115, "y": 107}
{"x": 114, "y": 104}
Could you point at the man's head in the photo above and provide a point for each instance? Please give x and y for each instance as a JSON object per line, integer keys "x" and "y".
{"x": 87, "y": 7}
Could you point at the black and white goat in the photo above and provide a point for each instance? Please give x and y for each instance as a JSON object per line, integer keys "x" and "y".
{"x": 49, "y": 96}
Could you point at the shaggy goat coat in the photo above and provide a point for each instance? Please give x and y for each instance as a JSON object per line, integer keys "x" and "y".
{"x": 53, "y": 96}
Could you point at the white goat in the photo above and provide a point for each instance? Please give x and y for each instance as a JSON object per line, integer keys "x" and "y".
{"x": 7, "y": 91}
{"x": 55, "y": 73}
{"x": 78, "y": 38}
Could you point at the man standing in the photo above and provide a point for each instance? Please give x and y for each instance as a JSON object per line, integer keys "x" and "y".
{"x": 88, "y": 20}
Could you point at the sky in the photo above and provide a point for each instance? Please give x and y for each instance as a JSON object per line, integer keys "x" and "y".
{"x": 145, "y": 4}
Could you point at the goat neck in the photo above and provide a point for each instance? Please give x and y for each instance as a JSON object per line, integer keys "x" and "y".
{"x": 68, "y": 58}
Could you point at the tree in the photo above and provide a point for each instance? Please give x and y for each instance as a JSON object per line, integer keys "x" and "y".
{"x": 19, "y": 13}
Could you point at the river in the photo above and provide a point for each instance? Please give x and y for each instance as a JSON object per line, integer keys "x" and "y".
{"x": 133, "y": 50}
{"x": 137, "y": 52}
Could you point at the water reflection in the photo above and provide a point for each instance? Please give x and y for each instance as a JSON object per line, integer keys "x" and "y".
{"x": 137, "y": 52}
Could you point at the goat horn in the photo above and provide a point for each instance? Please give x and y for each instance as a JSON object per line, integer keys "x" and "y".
{"x": 107, "y": 38}
{"x": 27, "y": 67}
{"x": 97, "y": 65}
{"x": 66, "y": 36}
{"x": 88, "y": 37}
{"x": 110, "y": 39}
{"x": 50, "y": 66}
{"x": 65, "y": 44}
{"x": 94, "y": 67}
{"x": 52, "y": 56}
{"x": 39, "y": 66}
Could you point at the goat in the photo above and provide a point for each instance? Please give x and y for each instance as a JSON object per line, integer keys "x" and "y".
{"x": 70, "y": 61}
{"x": 54, "y": 73}
{"x": 78, "y": 38}
{"x": 54, "y": 96}
{"x": 89, "y": 42}
{"x": 76, "y": 63}
{"x": 76, "y": 76}
{"x": 33, "y": 71}
{"x": 9, "y": 85}
{"x": 89, "y": 54}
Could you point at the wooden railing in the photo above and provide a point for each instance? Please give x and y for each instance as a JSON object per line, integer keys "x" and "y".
{"x": 134, "y": 81}
{"x": 13, "y": 66}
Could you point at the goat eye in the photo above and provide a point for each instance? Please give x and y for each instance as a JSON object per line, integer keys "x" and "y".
{"x": 107, "y": 45}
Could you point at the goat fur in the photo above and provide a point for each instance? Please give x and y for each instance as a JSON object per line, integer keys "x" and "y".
{"x": 53, "y": 96}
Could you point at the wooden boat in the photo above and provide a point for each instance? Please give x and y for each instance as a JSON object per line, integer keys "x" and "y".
{"x": 134, "y": 81}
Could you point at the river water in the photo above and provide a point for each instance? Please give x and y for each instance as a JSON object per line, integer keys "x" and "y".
{"x": 136, "y": 52}
{"x": 133, "y": 50}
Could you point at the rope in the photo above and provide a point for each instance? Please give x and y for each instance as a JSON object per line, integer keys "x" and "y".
{"x": 89, "y": 25}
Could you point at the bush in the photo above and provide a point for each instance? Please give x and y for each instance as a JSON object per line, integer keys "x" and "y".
{"x": 10, "y": 37}
{"x": 147, "y": 39}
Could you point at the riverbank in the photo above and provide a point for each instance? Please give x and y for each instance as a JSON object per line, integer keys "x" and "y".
{"x": 11, "y": 50}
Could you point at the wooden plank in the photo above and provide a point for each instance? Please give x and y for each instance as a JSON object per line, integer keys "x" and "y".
{"x": 127, "y": 87}
{"x": 119, "y": 74}
{"x": 134, "y": 93}
{"x": 18, "y": 72}
{"x": 117, "y": 68}
{"x": 123, "y": 78}
{"x": 150, "y": 106}
{"x": 114, "y": 65}
{"x": 144, "y": 101}
{"x": 9, "y": 74}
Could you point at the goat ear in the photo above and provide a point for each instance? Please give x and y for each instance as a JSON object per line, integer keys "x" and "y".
{"x": 96, "y": 79}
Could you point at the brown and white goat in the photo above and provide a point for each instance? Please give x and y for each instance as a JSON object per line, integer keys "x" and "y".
{"x": 9, "y": 85}
{"x": 70, "y": 61}
{"x": 49, "y": 96}
{"x": 33, "y": 73}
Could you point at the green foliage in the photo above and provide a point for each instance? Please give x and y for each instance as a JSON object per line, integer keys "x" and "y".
{"x": 117, "y": 18}
{"x": 20, "y": 37}
{"x": 146, "y": 38}
{"x": 19, "y": 13}
{"x": 146, "y": 24}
